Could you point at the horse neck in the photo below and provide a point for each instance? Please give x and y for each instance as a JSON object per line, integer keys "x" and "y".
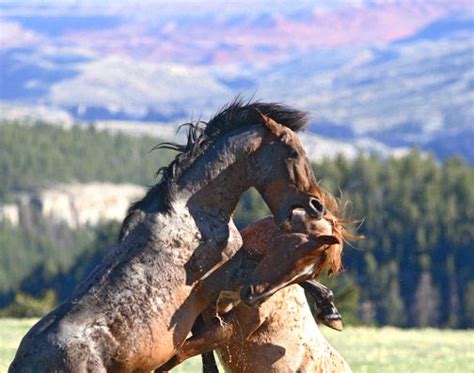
{"x": 217, "y": 179}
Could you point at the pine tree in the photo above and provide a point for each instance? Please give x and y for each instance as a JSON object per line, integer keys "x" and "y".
{"x": 426, "y": 306}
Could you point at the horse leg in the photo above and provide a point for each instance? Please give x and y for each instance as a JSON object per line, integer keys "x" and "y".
{"x": 328, "y": 314}
{"x": 209, "y": 364}
{"x": 240, "y": 322}
{"x": 209, "y": 338}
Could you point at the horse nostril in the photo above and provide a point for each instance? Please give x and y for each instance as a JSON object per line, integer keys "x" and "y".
{"x": 317, "y": 207}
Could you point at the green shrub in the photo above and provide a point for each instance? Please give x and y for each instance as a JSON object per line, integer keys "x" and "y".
{"x": 25, "y": 306}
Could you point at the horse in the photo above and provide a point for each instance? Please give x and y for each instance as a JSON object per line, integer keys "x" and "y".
{"x": 288, "y": 340}
{"x": 264, "y": 325}
{"x": 136, "y": 308}
{"x": 327, "y": 314}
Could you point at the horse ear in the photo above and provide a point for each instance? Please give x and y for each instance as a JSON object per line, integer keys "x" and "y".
{"x": 274, "y": 127}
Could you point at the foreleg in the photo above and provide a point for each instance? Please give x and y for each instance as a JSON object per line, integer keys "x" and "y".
{"x": 209, "y": 364}
{"x": 208, "y": 359}
{"x": 211, "y": 336}
{"x": 328, "y": 314}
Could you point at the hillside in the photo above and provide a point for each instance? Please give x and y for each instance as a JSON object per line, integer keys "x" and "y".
{"x": 75, "y": 205}
{"x": 414, "y": 267}
{"x": 32, "y": 157}
{"x": 407, "y": 82}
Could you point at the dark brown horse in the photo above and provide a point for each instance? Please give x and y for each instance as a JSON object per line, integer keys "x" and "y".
{"x": 310, "y": 241}
{"x": 136, "y": 309}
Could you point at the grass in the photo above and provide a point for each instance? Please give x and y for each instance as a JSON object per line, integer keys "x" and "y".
{"x": 366, "y": 349}
{"x": 405, "y": 350}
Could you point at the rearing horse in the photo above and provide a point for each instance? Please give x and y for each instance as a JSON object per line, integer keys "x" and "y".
{"x": 135, "y": 310}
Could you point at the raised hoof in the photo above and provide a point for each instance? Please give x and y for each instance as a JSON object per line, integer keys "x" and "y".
{"x": 333, "y": 321}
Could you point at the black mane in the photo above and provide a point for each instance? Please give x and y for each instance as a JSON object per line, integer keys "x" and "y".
{"x": 237, "y": 114}
{"x": 201, "y": 135}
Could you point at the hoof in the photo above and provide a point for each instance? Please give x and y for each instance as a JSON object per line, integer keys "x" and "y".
{"x": 332, "y": 321}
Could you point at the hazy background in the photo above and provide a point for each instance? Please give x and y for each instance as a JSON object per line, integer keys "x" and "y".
{"x": 376, "y": 75}
{"x": 88, "y": 87}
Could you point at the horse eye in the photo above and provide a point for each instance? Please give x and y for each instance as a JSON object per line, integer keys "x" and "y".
{"x": 294, "y": 154}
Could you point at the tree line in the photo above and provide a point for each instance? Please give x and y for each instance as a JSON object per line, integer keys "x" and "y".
{"x": 413, "y": 268}
{"x": 33, "y": 156}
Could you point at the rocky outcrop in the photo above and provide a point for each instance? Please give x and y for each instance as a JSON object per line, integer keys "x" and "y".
{"x": 76, "y": 205}
{"x": 10, "y": 213}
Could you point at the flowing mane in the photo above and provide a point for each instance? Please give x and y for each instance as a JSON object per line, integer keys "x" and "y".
{"x": 200, "y": 136}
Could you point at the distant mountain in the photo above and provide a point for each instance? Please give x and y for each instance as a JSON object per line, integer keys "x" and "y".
{"x": 376, "y": 76}
{"x": 418, "y": 92}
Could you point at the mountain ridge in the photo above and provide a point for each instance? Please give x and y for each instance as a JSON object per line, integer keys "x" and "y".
{"x": 400, "y": 91}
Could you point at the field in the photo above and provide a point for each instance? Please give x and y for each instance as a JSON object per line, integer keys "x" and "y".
{"x": 366, "y": 349}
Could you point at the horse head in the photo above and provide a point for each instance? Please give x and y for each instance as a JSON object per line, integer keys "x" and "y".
{"x": 292, "y": 184}
{"x": 302, "y": 251}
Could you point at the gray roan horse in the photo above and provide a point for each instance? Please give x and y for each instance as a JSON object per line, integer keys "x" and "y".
{"x": 288, "y": 256}
{"x": 136, "y": 309}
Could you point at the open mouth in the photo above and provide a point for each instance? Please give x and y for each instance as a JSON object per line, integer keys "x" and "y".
{"x": 295, "y": 215}
{"x": 299, "y": 221}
